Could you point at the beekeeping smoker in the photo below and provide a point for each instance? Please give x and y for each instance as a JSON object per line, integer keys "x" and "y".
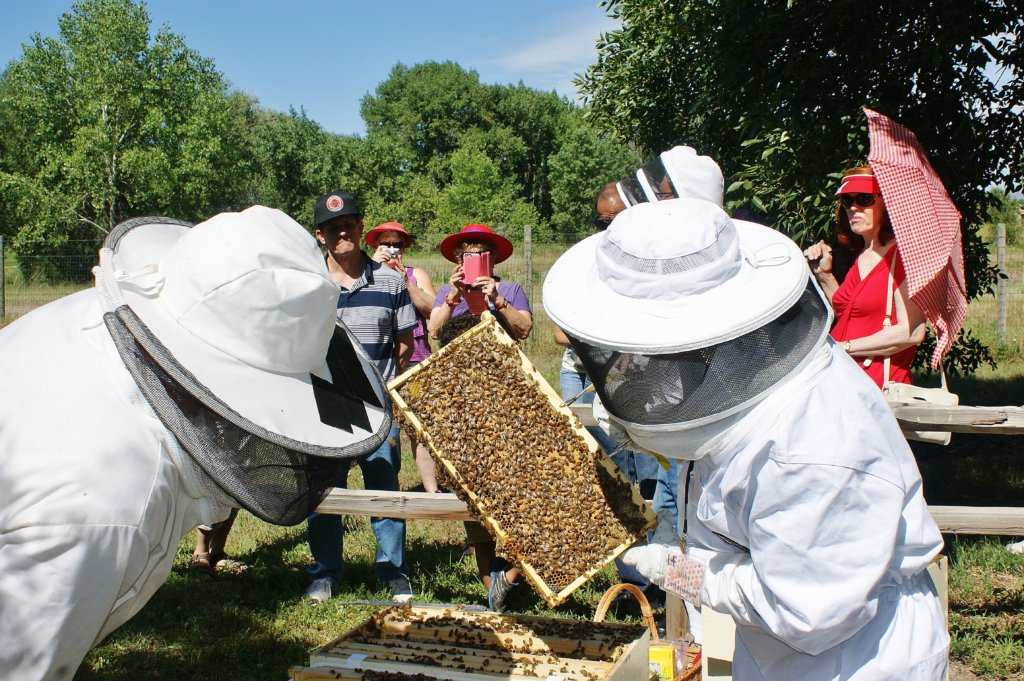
{"x": 204, "y": 371}
{"x": 707, "y": 341}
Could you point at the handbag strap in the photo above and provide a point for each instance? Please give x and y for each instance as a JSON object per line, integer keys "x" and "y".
{"x": 886, "y": 323}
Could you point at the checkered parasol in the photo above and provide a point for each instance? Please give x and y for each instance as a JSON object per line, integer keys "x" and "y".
{"x": 926, "y": 224}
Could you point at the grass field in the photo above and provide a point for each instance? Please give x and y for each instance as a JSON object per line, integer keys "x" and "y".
{"x": 255, "y": 625}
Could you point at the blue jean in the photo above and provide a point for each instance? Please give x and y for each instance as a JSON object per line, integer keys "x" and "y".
{"x": 640, "y": 469}
{"x": 380, "y": 471}
{"x": 666, "y": 493}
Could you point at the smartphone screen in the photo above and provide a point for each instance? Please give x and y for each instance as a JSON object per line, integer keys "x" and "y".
{"x": 475, "y": 265}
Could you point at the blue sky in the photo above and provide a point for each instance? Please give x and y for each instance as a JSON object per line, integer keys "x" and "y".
{"x": 324, "y": 56}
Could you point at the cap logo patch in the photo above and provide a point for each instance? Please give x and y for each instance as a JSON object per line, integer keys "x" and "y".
{"x": 334, "y": 203}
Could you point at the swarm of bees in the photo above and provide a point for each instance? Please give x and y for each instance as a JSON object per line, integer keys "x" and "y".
{"x": 539, "y": 483}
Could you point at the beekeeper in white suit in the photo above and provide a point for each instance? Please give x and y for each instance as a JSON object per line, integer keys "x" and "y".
{"x": 708, "y": 342}
{"x": 204, "y": 371}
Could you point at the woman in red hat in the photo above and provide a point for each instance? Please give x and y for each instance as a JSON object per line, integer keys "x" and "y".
{"x": 389, "y": 241}
{"x": 506, "y": 300}
{"x": 876, "y": 322}
{"x": 473, "y": 249}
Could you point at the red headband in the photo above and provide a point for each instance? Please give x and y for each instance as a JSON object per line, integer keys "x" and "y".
{"x": 859, "y": 184}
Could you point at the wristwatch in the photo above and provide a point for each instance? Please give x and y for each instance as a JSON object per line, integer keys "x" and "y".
{"x": 502, "y": 305}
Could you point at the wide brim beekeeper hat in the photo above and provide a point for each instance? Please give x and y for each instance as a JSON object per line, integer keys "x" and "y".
{"x": 682, "y": 315}
{"x": 230, "y": 330}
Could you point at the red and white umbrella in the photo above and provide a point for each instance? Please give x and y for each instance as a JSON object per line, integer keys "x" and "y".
{"x": 926, "y": 224}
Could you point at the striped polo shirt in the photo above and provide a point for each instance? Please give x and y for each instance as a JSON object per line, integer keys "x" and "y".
{"x": 375, "y": 310}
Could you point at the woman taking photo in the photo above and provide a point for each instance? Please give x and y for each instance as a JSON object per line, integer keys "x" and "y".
{"x": 875, "y": 318}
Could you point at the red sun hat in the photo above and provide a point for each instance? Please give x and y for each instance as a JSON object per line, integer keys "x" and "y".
{"x": 373, "y": 236}
{"x": 502, "y": 246}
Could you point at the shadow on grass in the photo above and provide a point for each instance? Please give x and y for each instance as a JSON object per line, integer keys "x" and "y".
{"x": 974, "y": 470}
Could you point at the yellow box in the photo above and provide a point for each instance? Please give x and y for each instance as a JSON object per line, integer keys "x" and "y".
{"x": 662, "y": 657}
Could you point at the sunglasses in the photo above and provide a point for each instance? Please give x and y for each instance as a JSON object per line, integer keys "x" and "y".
{"x": 392, "y": 244}
{"x": 603, "y": 221}
{"x": 862, "y": 200}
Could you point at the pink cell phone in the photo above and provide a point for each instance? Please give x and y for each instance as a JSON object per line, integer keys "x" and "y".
{"x": 475, "y": 265}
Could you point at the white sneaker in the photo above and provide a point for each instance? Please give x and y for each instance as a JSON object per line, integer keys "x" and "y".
{"x": 319, "y": 590}
{"x": 1016, "y": 547}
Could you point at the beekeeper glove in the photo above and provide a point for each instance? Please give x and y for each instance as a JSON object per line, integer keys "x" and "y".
{"x": 663, "y": 562}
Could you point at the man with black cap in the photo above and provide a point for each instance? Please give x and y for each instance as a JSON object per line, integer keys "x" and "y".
{"x": 375, "y": 306}
{"x": 206, "y": 370}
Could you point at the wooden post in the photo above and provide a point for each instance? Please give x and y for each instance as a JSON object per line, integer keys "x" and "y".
{"x": 1001, "y": 281}
{"x": 677, "y": 622}
{"x": 528, "y": 255}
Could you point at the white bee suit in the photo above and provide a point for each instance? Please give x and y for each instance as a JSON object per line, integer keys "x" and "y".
{"x": 97, "y": 493}
{"x": 822, "y": 490}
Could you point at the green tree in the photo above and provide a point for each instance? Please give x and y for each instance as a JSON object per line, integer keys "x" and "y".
{"x": 585, "y": 161}
{"x": 772, "y": 89}
{"x": 537, "y": 119}
{"x": 109, "y": 123}
{"x": 426, "y": 108}
{"x": 1008, "y": 210}
{"x": 421, "y": 115}
{"x": 479, "y": 194}
{"x": 296, "y": 161}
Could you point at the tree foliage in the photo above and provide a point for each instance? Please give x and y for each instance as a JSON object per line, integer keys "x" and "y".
{"x": 505, "y": 154}
{"x": 108, "y": 120}
{"x": 717, "y": 74}
{"x": 103, "y": 123}
{"x": 586, "y": 160}
{"x": 773, "y": 90}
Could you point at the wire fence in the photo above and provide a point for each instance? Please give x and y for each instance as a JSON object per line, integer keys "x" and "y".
{"x": 527, "y": 266}
{"x": 997, "y": 320}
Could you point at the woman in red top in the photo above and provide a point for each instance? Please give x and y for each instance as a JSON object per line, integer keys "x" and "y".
{"x": 860, "y": 301}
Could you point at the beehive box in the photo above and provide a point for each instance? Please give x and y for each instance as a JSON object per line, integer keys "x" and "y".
{"x": 538, "y": 481}
{"x": 423, "y": 642}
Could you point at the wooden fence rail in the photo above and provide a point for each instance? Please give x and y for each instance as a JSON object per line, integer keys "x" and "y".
{"x": 960, "y": 419}
{"x": 423, "y": 506}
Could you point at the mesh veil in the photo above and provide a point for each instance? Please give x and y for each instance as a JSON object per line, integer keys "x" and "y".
{"x": 652, "y": 179}
{"x": 276, "y": 479}
{"x": 707, "y": 383}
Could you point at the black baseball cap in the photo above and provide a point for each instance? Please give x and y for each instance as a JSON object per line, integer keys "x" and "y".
{"x": 332, "y": 205}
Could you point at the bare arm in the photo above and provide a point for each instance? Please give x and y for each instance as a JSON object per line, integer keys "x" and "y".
{"x": 819, "y": 258}
{"x": 403, "y": 349}
{"x": 519, "y": 322}
{"x": 422, "y": 293}
{"x": 560, "y": 337}
{"x": 907, "y": 331}
{"x": 441, "y": 314}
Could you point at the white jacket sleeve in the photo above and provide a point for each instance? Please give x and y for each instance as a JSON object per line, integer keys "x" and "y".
{"x": 821, "y": 539}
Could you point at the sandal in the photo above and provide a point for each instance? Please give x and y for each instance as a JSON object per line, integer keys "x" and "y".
{"x": 201, "y": 566}
{"x": 229, "y": 566}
